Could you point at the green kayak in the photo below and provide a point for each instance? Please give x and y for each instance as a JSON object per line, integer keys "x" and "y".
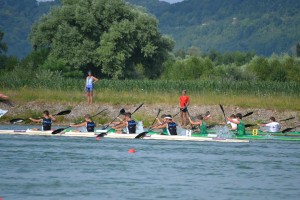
{"x": 294, "y": 136}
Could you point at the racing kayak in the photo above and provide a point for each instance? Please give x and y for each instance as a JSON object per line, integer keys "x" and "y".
{"x": 120, "y": 136}
{"x": 249, "y": 137}
{"x": 267, "y": 136}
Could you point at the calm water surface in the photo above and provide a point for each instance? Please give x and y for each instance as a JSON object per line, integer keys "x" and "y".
{"x": 37, "y": 167}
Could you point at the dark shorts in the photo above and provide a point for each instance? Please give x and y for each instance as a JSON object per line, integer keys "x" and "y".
{"x": 183, "y": 109}
{"x": 89, "y": 88}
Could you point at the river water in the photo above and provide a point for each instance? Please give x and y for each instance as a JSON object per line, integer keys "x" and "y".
{"x": 39, "y": 167}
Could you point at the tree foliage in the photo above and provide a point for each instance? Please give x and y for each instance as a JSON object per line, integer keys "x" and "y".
{"x": 108, "y": 35}
{"x": 235, "y": 66}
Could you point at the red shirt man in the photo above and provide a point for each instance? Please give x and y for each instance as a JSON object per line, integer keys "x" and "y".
{"x": 184, "y": 101}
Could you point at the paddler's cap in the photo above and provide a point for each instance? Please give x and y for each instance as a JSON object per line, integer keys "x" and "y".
{"x": 168, "y": 117}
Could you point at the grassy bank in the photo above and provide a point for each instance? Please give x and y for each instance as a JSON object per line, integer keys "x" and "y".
{"x": 119, "y": 97}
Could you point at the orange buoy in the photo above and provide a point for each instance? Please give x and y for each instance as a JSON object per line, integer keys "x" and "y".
{"x": 132, "y": 150}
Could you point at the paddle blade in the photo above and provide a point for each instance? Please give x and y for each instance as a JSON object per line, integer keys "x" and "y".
{"x": 249, "y": 125}
{"x": 122, "y": 111}
{"x": 248, "y": 114}
{"x": 101, "y": 135}
{"x": 58, "y": 131}
{"x": 65, "y": 112}
{"x": 141, "y": 135}
{"x": 287, "y": 119}
{"x": 287, "y": 130}
{"x": 18, "y": 120}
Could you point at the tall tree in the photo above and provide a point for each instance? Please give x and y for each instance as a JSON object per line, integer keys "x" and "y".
{"x": 111, "y": 36}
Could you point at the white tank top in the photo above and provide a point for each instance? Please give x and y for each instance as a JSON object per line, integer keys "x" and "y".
{"x": 89, "y": 81}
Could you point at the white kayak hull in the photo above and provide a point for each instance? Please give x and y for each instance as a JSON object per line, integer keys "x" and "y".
{"x": 119, "y": 136}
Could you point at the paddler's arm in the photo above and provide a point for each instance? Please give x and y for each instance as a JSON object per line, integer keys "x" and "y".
{"x": 233, "y": 120}
{"x": 160, "y": 126}
{"x": 78, "y": 125}
{"x": 35, "y": 120}
{"x": 52, "y": 118}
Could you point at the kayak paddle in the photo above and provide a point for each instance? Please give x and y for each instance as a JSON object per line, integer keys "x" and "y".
{"x": 143, "y": 134}
{"x": 62, "y": 129}
{"x": 287, "y": 119}
{"x": 289, "y": 129}
{"x": 223, "y": 113}
{"x": 121, "y": 112}
{"x": 249, "y": 125}
{"x": 248, "y": 114}
{"x": 159, "y": 110}
{"x": 19, "y": 120}
{"x": 137, "y": 108}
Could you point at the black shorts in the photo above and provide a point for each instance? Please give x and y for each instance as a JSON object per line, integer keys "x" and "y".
{"x": 183, "y": 109}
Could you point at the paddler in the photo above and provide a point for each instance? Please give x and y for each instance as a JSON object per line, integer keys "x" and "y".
{"x": 88, "y": 124}
{"x": 128, "y": 123}
{"x": 272, "y": 126}
{"x": 232, "y": 125}
{"x": 239, "y": 122}
{"x": 184, "y": 102}
{"x": 46, "y": 120}
{"x": 169, "y": 126}
{"x": 89, "y": 86}
{"x": 201, "y": 123}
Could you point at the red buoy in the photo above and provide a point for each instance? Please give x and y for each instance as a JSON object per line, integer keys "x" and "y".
{"x": 97, "y": 138}
{"x": 132, "y": 150}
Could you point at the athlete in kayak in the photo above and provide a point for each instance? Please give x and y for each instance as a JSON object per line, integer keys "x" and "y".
{"x": 128, "y": 123}
{"x": 239, "y": 122}
{"x": 88, "y": 124}
{"x": 169, "y": 127}
{"x": 272, "y": 126}
{"x": 89, "y": 86}
{"x": 184, "y": 102}
{"x": 46, "y": 120}
{"x": 201, "y": 123}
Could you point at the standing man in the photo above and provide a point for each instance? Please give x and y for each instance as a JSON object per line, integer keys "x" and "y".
{"x": 89, "y": 86}
{"x": 184, "y": 102}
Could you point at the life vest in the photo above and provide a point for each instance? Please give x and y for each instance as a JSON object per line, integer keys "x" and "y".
{"x": 202, "y": 128}
{"x": 90, "y": 126}
{"x": 241, "y": 128}
{"x": 47, "y": 124}
{"x": 172, "y": 129}
{"x": 131, "y": 126}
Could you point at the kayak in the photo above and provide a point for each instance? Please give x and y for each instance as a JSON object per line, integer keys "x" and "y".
{"x": 121, "y": 136}
{"x": 291, "y": 136}
{"x": 249, "y": 137}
